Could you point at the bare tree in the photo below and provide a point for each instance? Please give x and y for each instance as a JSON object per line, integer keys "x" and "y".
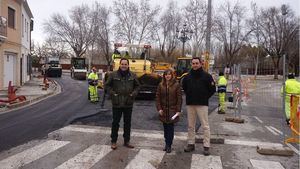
{"x": 102, "y": 31}
{"x": 293, "y": 53}
{"x": 255, "y": 37}
{"x": 127, "y": 22}
{"x": 277, "y": 32}
{"x": 135, "y": 22}
{"x": 77, "y": 32}
{"x": 56, "y": 48}
{"x": 230, "y": 30}
{"x": 195, "y": 14}
{"x": 166, "y": 30}
{"x": 146, "y": 21}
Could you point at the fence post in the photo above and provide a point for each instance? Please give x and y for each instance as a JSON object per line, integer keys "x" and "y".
{"x": 284, "y": 95}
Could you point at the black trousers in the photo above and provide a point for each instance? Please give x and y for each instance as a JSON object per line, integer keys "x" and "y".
{"x": 168, "y": 133}
{"x": 117, "y": 114}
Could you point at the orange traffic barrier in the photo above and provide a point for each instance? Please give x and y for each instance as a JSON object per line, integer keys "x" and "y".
{"x": 294, "y": 120}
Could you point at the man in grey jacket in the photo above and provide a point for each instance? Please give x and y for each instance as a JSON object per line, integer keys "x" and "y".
{"x": 123, "y": 87}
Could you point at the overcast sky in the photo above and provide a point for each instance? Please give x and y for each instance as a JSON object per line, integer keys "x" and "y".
{"x": 43, "y": 9}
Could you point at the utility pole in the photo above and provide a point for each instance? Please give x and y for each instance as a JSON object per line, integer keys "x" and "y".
{"x": 208, "y": 29}
{"x": 208, "y": 34}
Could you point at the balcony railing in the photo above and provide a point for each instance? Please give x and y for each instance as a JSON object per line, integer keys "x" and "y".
{"x": 3, "y": 28}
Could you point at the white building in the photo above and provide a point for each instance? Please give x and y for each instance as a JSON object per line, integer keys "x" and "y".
{"x": 26, "y": 28}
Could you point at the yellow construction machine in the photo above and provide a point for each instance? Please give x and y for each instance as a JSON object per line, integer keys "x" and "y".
{"x": 184, "y": 65}
{"x": 141, "y": 65}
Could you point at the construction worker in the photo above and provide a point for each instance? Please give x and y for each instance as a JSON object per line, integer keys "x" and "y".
{"x": 222, "y": 84}
{"x": 127, "y": 56}
{"x": 93, "y": 83}
{"x": 116, "y": 54}
{"x": 292, "y": 87}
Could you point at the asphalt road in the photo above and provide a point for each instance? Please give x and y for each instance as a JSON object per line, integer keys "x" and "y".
{"x": 144, "y": 116}
{"x": 36, "y": 121}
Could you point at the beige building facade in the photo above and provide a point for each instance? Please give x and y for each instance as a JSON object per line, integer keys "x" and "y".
{"x": 13, "y": 47}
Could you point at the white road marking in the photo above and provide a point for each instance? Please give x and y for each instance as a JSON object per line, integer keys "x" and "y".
{"x": 205, "y": 162}
{"x": 146, "y": 159}
{"x": 275, "y": 129}
{"x": 293, "y": 148}
{"x": 181, "y": 136}
{"x": 85, "y": 130}
{"x": 87, "y": 158}
{"x": 31, "y": 154}
{"x": 260, "y": 164}
{"x": 259, "y": 120}
{"x": 251, "y": 143}
{"x": 272, "y": 131}
{"x": 159, "y": 135}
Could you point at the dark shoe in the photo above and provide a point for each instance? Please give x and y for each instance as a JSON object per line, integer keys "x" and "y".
{"x": 206, "y": 151}
{"x": 189, "y": 148}
{"x": 168, "y": 150}
{"x": 113, "y": 146}
{"x": 165, "y": 148}
{"x": 128, "y": 145}
{"x": 221, "y": 112}
{"x": 287, "y": 121}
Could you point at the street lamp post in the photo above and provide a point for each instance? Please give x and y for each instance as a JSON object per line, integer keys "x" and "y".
{"x": 184, "y": 34}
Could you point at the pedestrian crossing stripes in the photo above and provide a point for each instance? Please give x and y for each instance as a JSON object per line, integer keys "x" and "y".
{"x": 95, "y": 155}
{"x": 159, "y": 135}
{"x": 204, "y": 162}
{"x": 144, "y": 159}
{"x": 31, "y": 154}
{"x": 260, "y": 164}
{"x": 87, "y": 158}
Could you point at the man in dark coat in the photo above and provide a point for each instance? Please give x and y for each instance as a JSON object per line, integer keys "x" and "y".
{"x": 123, "y": 87}
{"x": 198, "y": 86}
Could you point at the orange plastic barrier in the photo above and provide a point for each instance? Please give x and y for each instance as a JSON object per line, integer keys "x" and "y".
{"x": 294, "y": 120}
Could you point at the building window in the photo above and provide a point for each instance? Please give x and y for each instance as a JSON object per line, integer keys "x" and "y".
{"x": 11, "y": 17}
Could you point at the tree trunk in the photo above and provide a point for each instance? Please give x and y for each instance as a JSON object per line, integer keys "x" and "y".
{"x": 276, "y": 72}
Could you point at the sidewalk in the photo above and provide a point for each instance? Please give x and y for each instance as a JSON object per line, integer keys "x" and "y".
{"x": 33, "y": 92}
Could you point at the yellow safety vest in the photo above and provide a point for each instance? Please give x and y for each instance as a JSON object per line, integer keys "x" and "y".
{"x": 292, "y": 86}
{"x": 114, "y": 56}
{"x": 93, "y": 76}
{"x": 222, "y": 81}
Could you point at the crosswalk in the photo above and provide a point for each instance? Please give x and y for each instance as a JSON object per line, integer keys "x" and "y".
{"x": 32, "y": 154}
{"x": 92, "y": 155}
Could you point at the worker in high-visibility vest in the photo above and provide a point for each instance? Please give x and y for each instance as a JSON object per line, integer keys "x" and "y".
{"x": 127, "y": 56}
{"x": 93, "y": 83}
{"x": 292, "y": 87}
{"x": 222, "y": 84}
{"x": 116, "y": 54}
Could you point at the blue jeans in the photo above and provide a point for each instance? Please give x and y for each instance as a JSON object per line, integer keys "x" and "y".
{"x": 168, "y": 133}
